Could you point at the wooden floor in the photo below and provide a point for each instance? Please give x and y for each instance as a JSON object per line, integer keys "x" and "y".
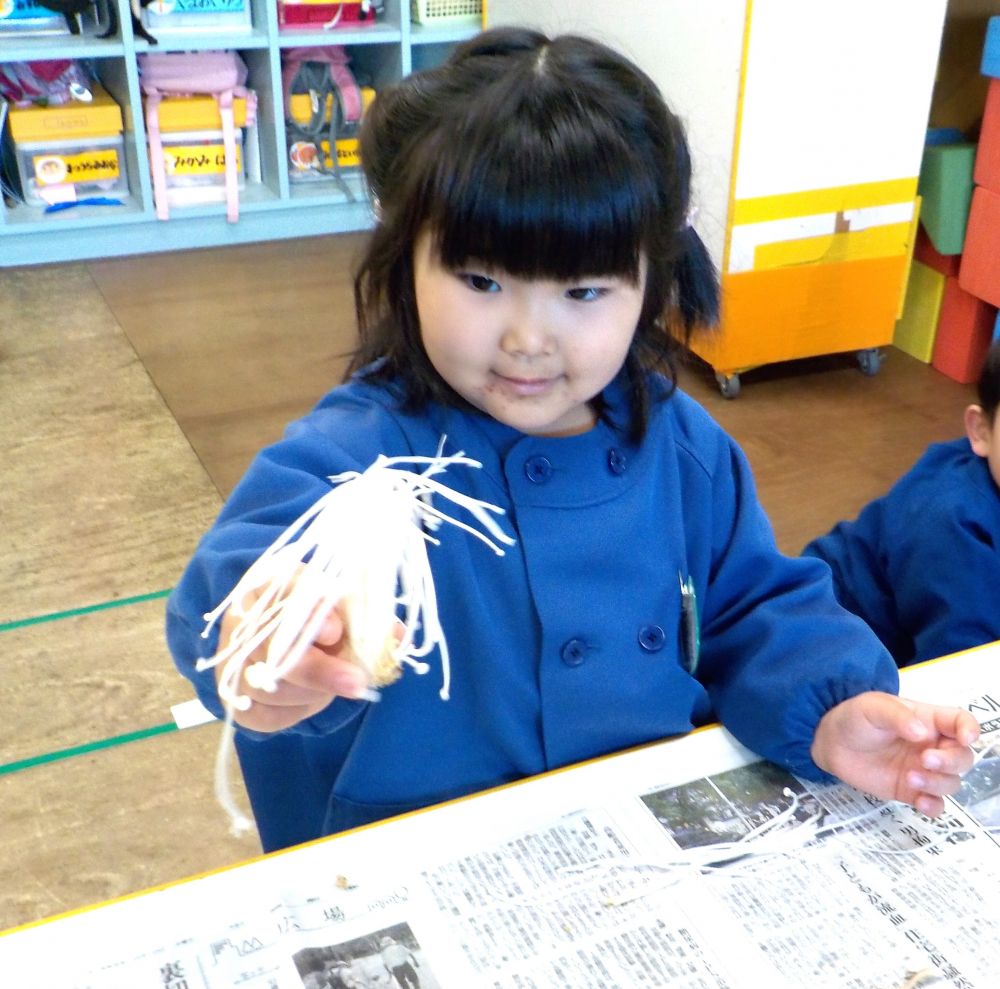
{"x": 133, "y": 393}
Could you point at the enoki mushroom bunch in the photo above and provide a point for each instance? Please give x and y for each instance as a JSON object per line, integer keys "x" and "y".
{"x": 361, "y": 548}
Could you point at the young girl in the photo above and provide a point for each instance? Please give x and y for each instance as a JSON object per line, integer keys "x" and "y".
{"x": 531, "y": 252}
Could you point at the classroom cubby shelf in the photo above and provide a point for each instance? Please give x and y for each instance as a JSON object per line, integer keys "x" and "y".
{"x": 271, "y": 207}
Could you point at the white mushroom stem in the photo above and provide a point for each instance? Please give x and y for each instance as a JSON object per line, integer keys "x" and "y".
{"x": 363, "y": 547}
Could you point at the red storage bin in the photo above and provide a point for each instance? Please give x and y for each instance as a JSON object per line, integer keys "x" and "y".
{"x": 319, "y": 14}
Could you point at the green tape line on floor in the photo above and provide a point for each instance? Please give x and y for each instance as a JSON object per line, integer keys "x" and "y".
{"x": 86, "y": 610}
{"x": 104, "y": 743}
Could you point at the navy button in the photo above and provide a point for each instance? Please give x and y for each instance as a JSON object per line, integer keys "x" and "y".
{"x": 616, "y": 461}
{"x": 652, "y": 638}
{"x": 538, "y": 469}
{"x": 574, "y": 652}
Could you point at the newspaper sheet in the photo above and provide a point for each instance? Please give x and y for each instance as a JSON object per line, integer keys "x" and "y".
{"x": 688, "y": 864}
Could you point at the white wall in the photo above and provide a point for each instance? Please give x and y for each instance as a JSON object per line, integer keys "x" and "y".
{"x": 836, "y": 95}
{"x": 692, "y": 49}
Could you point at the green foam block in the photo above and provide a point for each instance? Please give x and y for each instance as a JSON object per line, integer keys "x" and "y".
{"x": 946, "y": 189}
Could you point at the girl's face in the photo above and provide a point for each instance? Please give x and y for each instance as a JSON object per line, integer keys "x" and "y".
{"x": 530, "y": 353}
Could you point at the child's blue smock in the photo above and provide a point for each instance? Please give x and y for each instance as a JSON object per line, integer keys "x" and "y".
{"x": 570, "y": 645}
{"x": 922, "y": 564}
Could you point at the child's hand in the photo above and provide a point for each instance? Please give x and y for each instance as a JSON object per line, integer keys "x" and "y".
{"x": 897, "y": 749}
{"x": 325, "y": 671}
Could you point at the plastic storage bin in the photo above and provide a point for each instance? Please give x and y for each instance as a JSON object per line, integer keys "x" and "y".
{"x": 69, "y": 152}
{"x": 194, "y": 148}
{"x": 197, "y": 15}
{"x": 317, "y": 15}
{"x": 195, "y": 163}
{"x": 304, "y": 163}
{"x": 26, "y": 18}
{"x": 92, "y": 167}
{"x": 432, "y": 12}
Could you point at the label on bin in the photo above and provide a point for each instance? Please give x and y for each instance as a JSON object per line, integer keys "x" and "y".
{"x": 304, "y": 157}
{"x": 87, "y": 166}
{"x": 198, "y": 159}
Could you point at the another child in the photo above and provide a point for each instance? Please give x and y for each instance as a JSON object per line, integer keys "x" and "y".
{"x": 531, "y": 248}
{"x": 921, "y": 565}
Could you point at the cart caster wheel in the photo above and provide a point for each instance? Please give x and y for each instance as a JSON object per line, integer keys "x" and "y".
{"x": 729, "y": 384}
{"x": 870, "y": 360}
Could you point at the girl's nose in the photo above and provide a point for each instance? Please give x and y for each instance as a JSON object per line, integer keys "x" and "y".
{"x": 527, "y": 335}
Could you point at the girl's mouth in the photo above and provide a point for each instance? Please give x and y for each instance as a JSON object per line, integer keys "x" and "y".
{"x": 523, "y": 387}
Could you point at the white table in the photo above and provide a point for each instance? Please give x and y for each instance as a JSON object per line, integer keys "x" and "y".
{"x": 612, "y": 873}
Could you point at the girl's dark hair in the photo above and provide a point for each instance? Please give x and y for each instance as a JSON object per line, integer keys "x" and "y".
{"x": 548, "y": 158}
{"x": 989, "y": 382}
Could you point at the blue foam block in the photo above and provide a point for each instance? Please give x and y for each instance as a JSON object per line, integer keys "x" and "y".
{"x": 991, "y": 50}
{"x": 943, "y": 135}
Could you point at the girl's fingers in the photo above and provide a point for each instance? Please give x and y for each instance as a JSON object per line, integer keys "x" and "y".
{"x": 937, "y": 784}
{"x": 958, "y": 724}
{"x": 892, "y": 717}
{"x": 331, "y": 631}
{"x": 322, "y": 672}
{"x": 949, "y": 722}
{"x": 313, "y": 679}
{"x": 929, "y": 805}
{"x": 956, "y": 760}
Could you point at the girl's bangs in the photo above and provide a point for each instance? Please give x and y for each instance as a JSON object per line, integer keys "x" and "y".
{"x": 558, "y": 213}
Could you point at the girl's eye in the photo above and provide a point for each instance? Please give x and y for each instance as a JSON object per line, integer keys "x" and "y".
{"x": 587, "y": 294}
{"x": 479, "y": 283}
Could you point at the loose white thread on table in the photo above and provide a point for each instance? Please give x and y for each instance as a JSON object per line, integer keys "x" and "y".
{"x": 782, "y": 835}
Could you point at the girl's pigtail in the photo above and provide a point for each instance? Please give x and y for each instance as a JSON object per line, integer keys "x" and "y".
{"x": 697, "y": 284}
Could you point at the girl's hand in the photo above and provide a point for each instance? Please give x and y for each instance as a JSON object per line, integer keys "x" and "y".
{"x": 897, "y": 749}
{"x": 326, "y": 670}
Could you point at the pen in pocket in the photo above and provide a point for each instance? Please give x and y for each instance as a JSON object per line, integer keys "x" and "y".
{"x": 690, "y": 623}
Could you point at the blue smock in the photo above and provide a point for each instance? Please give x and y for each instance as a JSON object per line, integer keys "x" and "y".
{"x": 921, "y": 564}
{"x": 570, "y": 646}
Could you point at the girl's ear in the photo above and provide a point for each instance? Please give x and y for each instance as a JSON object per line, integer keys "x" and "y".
{"x": 978, "y": 429}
